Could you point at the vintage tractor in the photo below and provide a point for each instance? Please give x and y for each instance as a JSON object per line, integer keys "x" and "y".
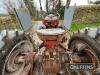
{"x": 20, "y": 55}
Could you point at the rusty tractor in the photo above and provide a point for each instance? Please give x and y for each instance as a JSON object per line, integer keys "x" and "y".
{"x": 19, "y": 55}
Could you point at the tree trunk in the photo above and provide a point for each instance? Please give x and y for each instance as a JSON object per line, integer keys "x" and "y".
{"x": 47, "y": 10}
{"x": 40, "y": 6}
{"x": 68, "y": 3}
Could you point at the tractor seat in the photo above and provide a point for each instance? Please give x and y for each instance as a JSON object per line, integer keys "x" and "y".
{"x": 51, "y": 34}
{"x": 52, "y": 31}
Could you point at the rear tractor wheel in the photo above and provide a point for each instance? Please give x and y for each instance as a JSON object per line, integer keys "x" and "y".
{"x": 13, "y": 53}
{"x": 85, "y": 48}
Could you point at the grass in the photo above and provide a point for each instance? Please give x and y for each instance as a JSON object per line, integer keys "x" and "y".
{"x": 76, "y": 26}
{"x": 33, "y": 23}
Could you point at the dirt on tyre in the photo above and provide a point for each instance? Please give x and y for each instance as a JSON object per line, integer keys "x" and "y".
{"x": 85, "y": 48}
{"x": 11, "y": 49}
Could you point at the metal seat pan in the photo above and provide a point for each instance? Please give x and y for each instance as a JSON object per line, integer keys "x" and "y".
{"x": 52, "y": 31}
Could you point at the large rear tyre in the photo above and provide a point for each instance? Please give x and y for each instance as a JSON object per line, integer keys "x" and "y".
{"x": 12, "y": 53}
{"x": 85, "y": 49}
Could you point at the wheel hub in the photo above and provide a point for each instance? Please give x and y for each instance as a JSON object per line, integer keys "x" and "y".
{"x": 19, "y": 61}
{"x": 85, "y": 56}
{"x": 83, "y": 53}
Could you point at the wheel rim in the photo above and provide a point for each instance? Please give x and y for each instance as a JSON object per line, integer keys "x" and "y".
{"x": 79, "y": 47}
{"x": 15, "y": 63}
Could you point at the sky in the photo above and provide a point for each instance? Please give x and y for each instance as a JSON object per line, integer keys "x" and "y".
{"x": 2, "y": 8}
{"x": 78, "y": 2}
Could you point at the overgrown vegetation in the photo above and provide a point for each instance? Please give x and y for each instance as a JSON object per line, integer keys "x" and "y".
{"x": 87, "y": 14}
{"x": 76, "y": 26}
{"x": 9, "y": 22}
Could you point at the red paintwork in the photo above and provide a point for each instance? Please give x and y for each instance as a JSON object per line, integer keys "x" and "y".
{"x": 52, "y": 23}
{"x": 51, "y": 43}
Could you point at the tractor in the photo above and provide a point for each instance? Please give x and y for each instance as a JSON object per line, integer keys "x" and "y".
{"x": 20, "y": 55}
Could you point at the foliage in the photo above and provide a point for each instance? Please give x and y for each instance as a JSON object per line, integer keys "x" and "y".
{"x": 9, "y": 22}
{"x": 76, "y": 26}
{"x": 55, "y": 6}
{"x": 87, "y": 14}
{"x": 30, "y": 5}
{"x": 94, "y": 2}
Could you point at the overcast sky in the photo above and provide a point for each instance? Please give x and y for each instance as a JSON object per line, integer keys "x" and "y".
{"x": 78, "y": 2}
{"x": 2, "y": 7}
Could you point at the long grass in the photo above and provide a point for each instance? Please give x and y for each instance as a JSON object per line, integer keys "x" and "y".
{"x": 76, "y": 26}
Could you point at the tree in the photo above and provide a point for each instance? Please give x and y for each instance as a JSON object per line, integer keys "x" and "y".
{"x": 21, "y": 4}
{"x": 60, "y": 8}
{"x": 56, "y": 6}
{"x": 94, "y": 2}
{"x": 68, "y": 3}
{"x": 41, "y": 7}
{"x": 97, "y": 2}
{"x": 30, "y": 5}
{"x": 46, "y": 4}
{"x": 51, "y": 5}
{"x": 8, "y": 5}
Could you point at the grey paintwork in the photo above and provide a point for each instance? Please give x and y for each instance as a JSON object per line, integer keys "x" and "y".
{"x": 68, "y": 16}
{"x": 23, "y": 18}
